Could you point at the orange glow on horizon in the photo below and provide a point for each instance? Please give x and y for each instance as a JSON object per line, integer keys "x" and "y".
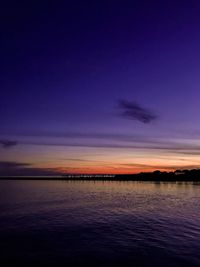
{"x": 100, "y": 170}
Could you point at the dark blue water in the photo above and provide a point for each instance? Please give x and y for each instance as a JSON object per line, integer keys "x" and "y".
{"x": 83, "y": 223}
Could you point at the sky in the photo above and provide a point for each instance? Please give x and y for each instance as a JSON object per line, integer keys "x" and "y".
{"x": 99, "y": 86}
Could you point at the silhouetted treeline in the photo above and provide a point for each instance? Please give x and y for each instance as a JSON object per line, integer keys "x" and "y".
{"x": 178, "y": 175}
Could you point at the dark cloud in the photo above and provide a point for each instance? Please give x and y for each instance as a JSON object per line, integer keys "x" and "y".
{"x": 7, "y": 143}
{"x": 12, "y": 164}
{"x": 9, "y": 168}
{"x": 133, "y": 111}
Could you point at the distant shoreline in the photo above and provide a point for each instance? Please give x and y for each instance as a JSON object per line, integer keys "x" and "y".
{"x": 153, "y": 177}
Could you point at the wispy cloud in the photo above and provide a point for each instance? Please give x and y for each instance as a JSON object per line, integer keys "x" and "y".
{"x": 160, "y": 167}
{"x": 134, "y": 111}
{"x": 158, "y": 145}
{"x": 7, "y": 143}
{"x": 103, "y": 140}
{"x": 118, "y": 142}
{"x": 10, "y": 168}
{"x": 135, "y": 138}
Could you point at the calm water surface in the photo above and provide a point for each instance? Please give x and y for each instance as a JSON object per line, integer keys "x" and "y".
{"x": 86, "y": 223}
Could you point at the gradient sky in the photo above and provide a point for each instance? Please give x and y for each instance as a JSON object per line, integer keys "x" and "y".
{"x": 99, "y": 86}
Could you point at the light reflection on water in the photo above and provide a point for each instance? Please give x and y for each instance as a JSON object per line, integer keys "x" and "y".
{"x": 68, "y": 223}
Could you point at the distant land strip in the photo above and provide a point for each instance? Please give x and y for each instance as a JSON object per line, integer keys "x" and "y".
{"x": 156, "y": 176}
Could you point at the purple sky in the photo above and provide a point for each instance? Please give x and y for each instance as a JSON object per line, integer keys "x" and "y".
{"x": 92, "y": 86}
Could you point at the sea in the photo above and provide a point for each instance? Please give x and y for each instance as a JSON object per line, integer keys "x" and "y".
{"x": 99, "y": 223}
